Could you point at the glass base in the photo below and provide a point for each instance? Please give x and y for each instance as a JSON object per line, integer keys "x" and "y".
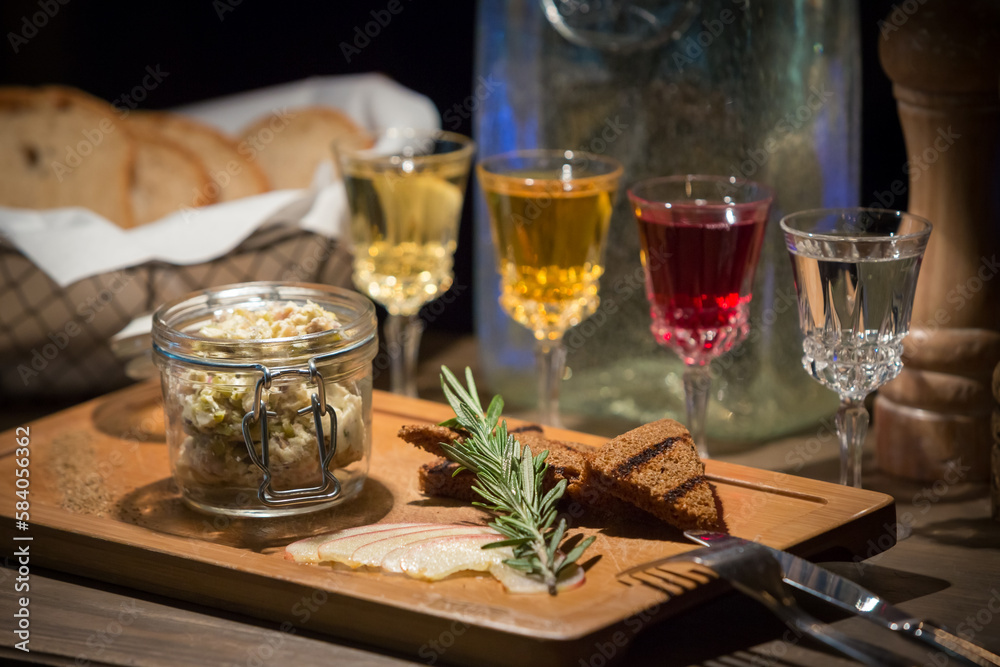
{"x": 244, "y": 502}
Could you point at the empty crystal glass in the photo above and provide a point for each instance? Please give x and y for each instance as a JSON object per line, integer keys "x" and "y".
{"x": 855, "y": 273}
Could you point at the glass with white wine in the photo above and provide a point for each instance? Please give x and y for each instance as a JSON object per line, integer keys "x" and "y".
{"x": 405, "y": 190}
{"x": 550, "y": 211}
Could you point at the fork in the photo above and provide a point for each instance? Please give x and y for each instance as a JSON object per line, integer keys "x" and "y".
{"x": 754, "y": 572}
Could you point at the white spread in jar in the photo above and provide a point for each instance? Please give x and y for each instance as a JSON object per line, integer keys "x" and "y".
{"x": 281, "y": 320}
{"x": 212, "y": 406}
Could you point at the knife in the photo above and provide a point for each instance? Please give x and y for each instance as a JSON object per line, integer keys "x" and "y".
{"x": 851, "y": 597}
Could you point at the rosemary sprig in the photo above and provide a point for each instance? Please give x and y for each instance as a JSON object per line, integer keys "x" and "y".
{"x": 509, "y": 479}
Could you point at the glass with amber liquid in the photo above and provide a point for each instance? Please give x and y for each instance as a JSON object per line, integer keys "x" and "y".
{"x": 550, "y": 211}
{"x": 405, "y": 190}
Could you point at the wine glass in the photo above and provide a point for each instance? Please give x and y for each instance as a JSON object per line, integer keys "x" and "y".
{"x": 405, "y": 191}
{"x": 550, "y": 211}
{"x": 700, "y": 239}
{"x": 855, "y": 273}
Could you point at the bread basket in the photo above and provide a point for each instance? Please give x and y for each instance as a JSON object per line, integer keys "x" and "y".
{"x": 55, "y": 334}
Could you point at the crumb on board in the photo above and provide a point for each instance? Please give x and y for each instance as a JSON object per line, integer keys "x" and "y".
{"x": 82, "y": 488}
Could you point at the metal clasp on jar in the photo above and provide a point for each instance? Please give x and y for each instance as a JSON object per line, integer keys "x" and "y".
{"x": 329, "y": 488}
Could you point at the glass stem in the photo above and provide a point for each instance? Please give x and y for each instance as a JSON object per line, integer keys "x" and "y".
{"x": 551, "y": 358}
{"x": 852, "y": 425}
{"x": 697, "y": 382}
{"x": 402, "y": 337}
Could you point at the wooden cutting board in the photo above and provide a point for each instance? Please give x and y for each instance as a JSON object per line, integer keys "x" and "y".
{"x": 102, "y": 504}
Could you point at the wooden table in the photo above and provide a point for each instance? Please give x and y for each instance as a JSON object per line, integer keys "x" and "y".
{"x": 946, "y": 566}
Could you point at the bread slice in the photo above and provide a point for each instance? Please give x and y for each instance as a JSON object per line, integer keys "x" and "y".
{"x": 438, "y": 477}
{"x": 571, "y": 461}
{"x": 656, "y": 467}
{"x": 290, "y": 146}
{"x": 60, "y": 147}
{"x": 232, "y": 174}
{"x": 429, "y": 437}
{"x": 566, "y": 460}
{"x": 438, "y": 480}
{"x": 167, "y": 177}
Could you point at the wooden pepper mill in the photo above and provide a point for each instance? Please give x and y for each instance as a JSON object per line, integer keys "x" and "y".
{"x": 933, "y": 421}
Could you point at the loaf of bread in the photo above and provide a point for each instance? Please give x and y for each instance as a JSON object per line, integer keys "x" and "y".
{"x": 289, "y": 147}
{"x": 232, "y": 175}
{"x": 60, "y": 147}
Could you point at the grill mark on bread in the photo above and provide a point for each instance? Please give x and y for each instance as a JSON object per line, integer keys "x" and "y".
{"x": 678, "y": 492}
{"x": 645, "y": 456}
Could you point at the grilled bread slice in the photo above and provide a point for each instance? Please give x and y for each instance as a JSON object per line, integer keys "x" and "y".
{"x": 429, "y": 437}
{"x": 567, "y": 460}
{"x": 656, "y": 467}
{"x": 438, "y": 480}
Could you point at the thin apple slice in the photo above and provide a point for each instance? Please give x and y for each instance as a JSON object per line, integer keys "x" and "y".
{"x": 373, "y": 553}
{"x": 439, "y": 557}
{"x": 306, "y": 550}
{"x": 340, "y": 546}
{"x": 516, "y": 581}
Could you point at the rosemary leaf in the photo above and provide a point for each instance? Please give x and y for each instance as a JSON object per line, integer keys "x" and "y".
{"x": 577, "y": 551}
{"x": 509, "y": 478}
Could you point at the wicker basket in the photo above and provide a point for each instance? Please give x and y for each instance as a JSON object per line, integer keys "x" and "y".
{"x": 54, "y": 341}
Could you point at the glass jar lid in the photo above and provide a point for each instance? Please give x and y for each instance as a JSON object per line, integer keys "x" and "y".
{"x": 177, "y": 325}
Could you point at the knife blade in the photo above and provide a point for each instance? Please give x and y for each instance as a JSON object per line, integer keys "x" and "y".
{"x": 849, "y": 596}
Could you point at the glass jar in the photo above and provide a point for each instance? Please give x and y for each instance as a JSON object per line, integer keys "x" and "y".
{"x": 307, "y": 396}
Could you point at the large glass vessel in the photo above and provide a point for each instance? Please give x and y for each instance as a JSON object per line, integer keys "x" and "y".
{"x": 767, "y": 90}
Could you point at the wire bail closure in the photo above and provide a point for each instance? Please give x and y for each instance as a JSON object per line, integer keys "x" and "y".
{"x": 329, "y": 488}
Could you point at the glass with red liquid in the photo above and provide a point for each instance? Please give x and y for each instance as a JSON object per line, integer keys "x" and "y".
{"x": 700, "y": 239}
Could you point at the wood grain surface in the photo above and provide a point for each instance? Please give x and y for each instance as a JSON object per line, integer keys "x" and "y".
{"x": 104, "y": 507}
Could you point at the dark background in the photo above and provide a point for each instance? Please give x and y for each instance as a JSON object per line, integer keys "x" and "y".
{"x": 213, "y": 48}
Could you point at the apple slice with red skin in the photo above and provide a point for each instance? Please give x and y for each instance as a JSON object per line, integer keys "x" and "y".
{"x": 374, "y": 552}
{"x": 306, "y": 550}
{"x": 439, "y": 557}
